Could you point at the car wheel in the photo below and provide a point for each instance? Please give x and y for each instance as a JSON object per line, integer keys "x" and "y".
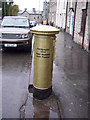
{"x": 3, "y": 48}
{"x": 28, "y": 48}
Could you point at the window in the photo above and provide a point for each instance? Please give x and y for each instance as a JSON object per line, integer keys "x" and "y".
{"x": 15, "y": 22}
{"x": 83, "y": 17}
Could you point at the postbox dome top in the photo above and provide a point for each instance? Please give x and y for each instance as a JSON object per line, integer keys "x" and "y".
{"x": 44, "y": 29}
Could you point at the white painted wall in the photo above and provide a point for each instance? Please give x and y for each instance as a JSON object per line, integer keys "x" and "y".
{"x": 61, "y": 13}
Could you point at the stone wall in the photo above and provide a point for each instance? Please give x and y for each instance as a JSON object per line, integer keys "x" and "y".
{"x": 61, "y": 14}
{"x": 69, "y": 15}
{"x": 77, "y": 36}
{"x": 52, "y": 11}
{"x": 88, "y": 23}
{"x": 86, "y": 39}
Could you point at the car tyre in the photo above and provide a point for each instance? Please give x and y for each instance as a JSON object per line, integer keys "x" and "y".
{"x": 3, "y": 48}
{"x": 28, "y": 48}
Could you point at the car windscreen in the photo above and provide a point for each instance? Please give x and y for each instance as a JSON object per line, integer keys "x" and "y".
{"x": 15, "y": 22}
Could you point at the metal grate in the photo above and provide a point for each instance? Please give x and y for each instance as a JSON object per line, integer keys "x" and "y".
{"x": 11, "y": 36}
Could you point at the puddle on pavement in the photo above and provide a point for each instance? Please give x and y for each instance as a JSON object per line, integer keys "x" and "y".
{"x": 47, "y": 108}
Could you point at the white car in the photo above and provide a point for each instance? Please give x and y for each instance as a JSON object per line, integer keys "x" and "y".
{"x": 32, "y": 23}
{"x": 15, "y": 32}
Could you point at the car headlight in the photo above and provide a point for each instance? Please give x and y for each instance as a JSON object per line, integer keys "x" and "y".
{"x": 0, "y": 35}
{"x": 24, "y": 36}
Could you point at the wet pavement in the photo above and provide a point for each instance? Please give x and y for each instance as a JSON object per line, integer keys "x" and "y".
{"x": 70, "y": 83}
{"x": 70, "y": 77}
{"x": 17, "y": 102}
{"x": 47, "y": 108}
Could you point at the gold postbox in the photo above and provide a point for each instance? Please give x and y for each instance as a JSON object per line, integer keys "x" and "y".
{"x": 44, "y": 37}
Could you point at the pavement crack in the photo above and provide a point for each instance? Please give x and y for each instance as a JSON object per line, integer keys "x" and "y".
{"x": 58, "y": 104}
{"x": 22, "y": 108}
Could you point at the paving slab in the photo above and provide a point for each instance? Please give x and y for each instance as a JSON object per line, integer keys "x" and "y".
{"x": 70, "y": 77}
{"x": 47, "y": 108}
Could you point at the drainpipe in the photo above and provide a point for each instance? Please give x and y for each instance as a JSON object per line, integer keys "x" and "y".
{"x": 74, "y": 19}
{"x": 84, "y": 25}
{"x": 89, "y": 25}
{"x": 89, "y": 44}
{"x": 66, "y": 15}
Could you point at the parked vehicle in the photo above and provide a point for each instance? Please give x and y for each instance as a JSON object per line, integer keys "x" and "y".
{"x": 15, "y": 32}
{"x": 32, "y": 23}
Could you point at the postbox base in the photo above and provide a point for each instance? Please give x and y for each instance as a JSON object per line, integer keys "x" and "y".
{"x": 41, "y": 94}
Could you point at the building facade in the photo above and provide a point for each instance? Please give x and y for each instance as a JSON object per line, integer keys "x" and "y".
{"x": 45, "y": 10}
{"x": 52, "y": 11}
{"x": 77, "y": 22}
{"x": 0, "y": 10}
{"x": 70, "y": 16}
{"x": 61, "y": 14}
{"x": 33, "y": 15}
{"x": 81, "y": 25}
{"x": 73, "y": 17}
{"x": 89, "y": 23}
